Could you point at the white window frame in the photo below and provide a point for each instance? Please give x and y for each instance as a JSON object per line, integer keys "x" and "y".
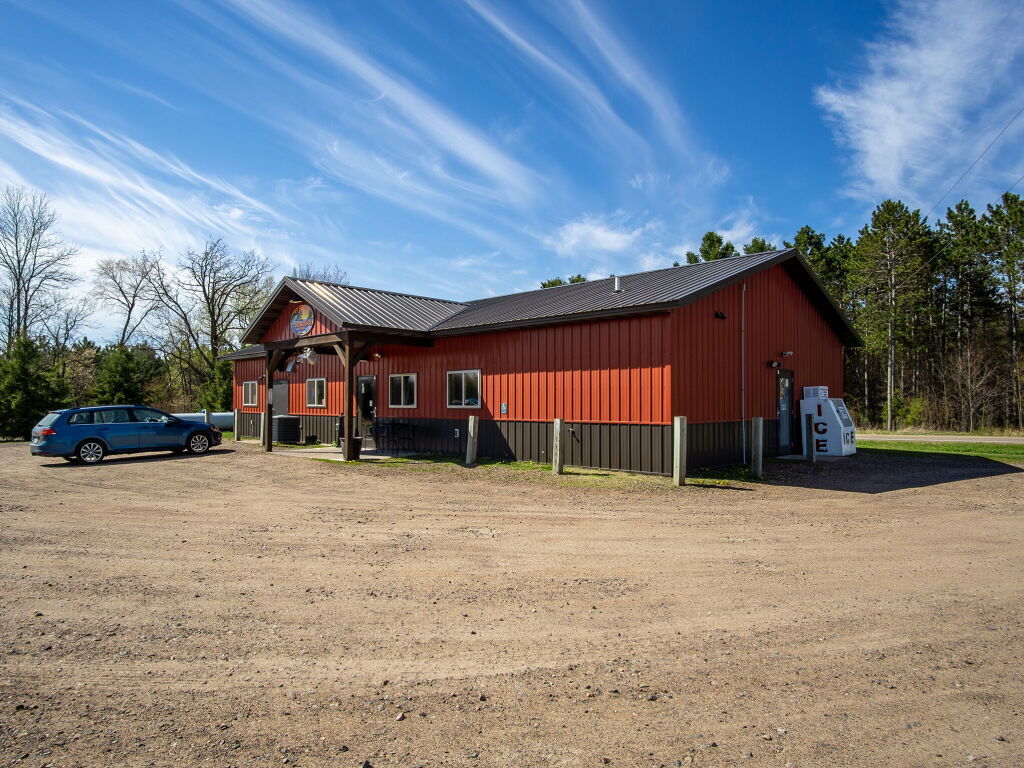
{"x": 246, "y": 402}
{"x": 316, "y": 405}
{"x": 479, "y": 387}
{"x": 415, "y": 389}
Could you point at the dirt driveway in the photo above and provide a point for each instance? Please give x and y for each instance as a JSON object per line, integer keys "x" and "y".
{"x": 241, "y": 609}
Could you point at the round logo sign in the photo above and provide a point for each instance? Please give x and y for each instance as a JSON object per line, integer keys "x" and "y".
{"x": 302, "y": 320}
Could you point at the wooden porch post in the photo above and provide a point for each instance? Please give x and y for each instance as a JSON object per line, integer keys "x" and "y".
{"x": 273, "y": 358}
{"x": 350, "y": 386}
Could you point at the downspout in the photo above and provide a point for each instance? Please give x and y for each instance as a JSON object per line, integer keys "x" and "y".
{"x": 743, "y": 369}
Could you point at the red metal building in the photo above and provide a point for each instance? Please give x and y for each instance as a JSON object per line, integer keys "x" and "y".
{"x": 718, "y": 342}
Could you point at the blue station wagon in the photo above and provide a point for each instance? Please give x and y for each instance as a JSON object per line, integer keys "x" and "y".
{"x": 86, "y": 435}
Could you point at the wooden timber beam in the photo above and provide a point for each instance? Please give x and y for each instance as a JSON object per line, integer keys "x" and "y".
{"x": 304, "y": 341}
{"x": 369, "y": 337}
{"x": 362, "y": 353}
{"x": 343, "y": 337}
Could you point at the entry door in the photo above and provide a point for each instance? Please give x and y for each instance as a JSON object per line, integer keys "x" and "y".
{"x": 785, "y": 411}
{"x": 279, "y": 398}
{"x": 366, "y": 407}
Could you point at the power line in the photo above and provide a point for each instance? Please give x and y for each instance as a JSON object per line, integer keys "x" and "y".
{"x": 976, "y": 160}
{"x": 950, "y": 244}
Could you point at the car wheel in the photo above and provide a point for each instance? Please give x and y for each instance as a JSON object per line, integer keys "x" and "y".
{"x": 198, "y": 443}
{"x": 90, "y": 452}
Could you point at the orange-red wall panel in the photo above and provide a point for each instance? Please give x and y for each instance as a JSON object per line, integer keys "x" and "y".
{"x": 779, "y": 318}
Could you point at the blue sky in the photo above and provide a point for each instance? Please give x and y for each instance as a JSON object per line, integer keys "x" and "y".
{"x": 465, "y": 148}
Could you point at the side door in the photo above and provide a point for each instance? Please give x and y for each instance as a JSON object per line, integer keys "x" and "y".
{"x": 366, "y": 407}
{"x": 279, "y": 398}
{"x": 158, "y": 429}
{"x": 116, "y": 428}
{"x": 785, "y": 411}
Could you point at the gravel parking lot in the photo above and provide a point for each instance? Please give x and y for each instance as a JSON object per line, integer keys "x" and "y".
{"x": 241, "y": 609}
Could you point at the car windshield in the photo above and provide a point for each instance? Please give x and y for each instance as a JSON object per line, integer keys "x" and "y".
{"x": 48, "y": 419}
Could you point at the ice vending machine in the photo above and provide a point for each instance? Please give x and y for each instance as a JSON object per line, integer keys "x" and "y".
{"x": 832, "y": 427}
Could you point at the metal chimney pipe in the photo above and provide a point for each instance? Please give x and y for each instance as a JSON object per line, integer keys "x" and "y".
{"x": 617, "y": 287}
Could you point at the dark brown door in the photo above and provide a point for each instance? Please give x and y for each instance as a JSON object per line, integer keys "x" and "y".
{"x": 366, "y": 409}
{"x": 785, "y": 412}
{"x": 279, "y": 398}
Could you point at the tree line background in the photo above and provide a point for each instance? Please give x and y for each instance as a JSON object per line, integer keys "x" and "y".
{"x": 938, "y": 305}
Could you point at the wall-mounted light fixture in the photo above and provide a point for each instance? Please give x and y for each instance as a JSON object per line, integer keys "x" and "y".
{"x": 774, "y": 364}
{"x": 376, "y": 355}
{"x": 720, "y": 315}
{"x": 786, "y": 354}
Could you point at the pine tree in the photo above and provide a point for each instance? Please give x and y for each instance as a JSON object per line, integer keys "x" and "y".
{"x": 712, "y": 246}
{"x": 1004, "y": 226}
{"x": 124, "y": 374}
{"x": 758, "y": 245}
{"x": 28, "y": 389}
{"x": 889, "y": 259}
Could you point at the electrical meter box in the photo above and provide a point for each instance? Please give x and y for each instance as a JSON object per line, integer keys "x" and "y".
{"x": 833, "y": 431}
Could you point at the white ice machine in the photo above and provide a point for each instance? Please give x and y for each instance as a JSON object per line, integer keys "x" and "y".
{"x": 834, "y": 432}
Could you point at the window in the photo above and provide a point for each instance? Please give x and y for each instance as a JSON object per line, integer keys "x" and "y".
{"x": 112, "y": 416}
{"x": 463, "y": 389}
{"x": 316, "y": 393}
{"x": 150, "y": 415}
{"x": 402, "y": 390}
{"x": 250, "y": 393}
{"x": 52, "y": 417}
{"x": 82, "y": 417}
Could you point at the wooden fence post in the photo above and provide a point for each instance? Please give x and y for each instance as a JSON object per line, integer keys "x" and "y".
{"x": 809, "y": 438}
{"x": 237, "y": 432}
{"x": 679, "y": 450}
{"x": 757, "y": 446}
{"x": 557, "y": 459}
{"x": 471, "y": 437}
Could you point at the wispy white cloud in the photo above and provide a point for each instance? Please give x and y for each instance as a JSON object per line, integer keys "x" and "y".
{"x": 594, "y": 235}
{"x": 580, "y": 88}
{"x": 937, "y": 86}
{"x": 135, "y": 90}
{"x": 116, "y": 196}
{"x": 428, "y": 119}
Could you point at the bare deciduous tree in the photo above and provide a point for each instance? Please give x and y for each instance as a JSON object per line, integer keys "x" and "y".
{"x": 34, "y": 261}
{"x": 205, "y": 301}
{"x": 123, "y": 284}
{"x": 972, "y": 384}
{"x": 324, "y": 274}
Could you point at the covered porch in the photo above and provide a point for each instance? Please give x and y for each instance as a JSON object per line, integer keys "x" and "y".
{"x": 351, "y": 346}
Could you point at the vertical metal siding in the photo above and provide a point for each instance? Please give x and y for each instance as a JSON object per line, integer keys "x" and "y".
{"x": 706, "y": 351}
{"x": 541, "y": 373}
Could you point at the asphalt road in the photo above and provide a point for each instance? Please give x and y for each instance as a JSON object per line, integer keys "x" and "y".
{"x": 862, "y": 437}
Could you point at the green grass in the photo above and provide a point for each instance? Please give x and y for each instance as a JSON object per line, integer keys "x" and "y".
{"x": 1005, "y": 452}
{"x": 539, "y": 471}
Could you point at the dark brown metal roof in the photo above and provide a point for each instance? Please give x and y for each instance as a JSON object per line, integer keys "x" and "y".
{"x": 638, "y": 291}
{"x": 366, "y": 308}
